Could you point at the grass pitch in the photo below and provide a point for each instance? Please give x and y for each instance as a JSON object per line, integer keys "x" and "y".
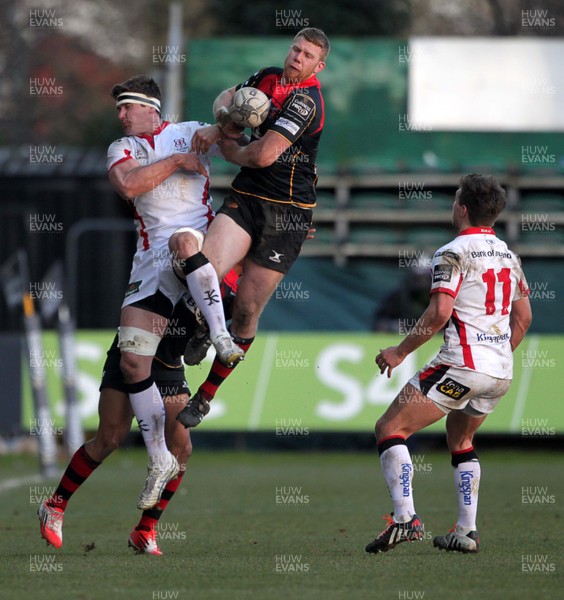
{"x": 287, "y": 525}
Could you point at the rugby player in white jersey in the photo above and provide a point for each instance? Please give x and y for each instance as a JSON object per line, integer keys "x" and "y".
{"x": 167, "y": 186}
{"x": 480, "y": 295}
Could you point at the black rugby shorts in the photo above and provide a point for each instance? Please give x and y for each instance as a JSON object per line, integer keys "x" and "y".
{"x": 277, "y": 231}
{"x": 170, "y": 380}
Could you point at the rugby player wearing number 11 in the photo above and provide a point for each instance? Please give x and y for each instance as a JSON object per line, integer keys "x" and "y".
{"x": 479, "y": 292}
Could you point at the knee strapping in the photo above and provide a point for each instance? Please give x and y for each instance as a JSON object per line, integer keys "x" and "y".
{"x": 197, "y": 234}
{"x": 138, "y": 341}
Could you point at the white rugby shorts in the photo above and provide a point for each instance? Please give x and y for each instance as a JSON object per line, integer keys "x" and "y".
{"x": 151, "y": 271}
{"x": 455, "y": 388}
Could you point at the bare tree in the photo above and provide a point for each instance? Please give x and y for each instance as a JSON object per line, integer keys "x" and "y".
{"x": 59, "y": 60}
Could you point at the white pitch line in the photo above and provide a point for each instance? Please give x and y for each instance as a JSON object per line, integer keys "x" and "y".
{"x": 259, "y": 398}
{"x": 523, "y": 389}
{"x": 10, "y": 484}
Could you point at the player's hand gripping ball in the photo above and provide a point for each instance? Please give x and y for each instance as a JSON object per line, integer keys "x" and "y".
{"x": 249, "y": 108}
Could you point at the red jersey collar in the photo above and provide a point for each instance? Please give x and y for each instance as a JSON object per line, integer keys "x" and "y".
{"x": 159, "y": 129}
{"x": 311, "y": 81}
{"x": 473, "y": 230}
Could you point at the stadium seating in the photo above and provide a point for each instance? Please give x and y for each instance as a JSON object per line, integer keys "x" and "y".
{"x": 373, "y": 200}
{"x": 542, "y": 202}
{"x": 428, "y": 238}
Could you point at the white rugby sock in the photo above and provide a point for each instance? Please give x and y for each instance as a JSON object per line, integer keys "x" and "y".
{"x": 149, "y": 411}
{"x": 467, "y": 484}
{"x": 398, "y": 473}
{"x": 204, "y": 287}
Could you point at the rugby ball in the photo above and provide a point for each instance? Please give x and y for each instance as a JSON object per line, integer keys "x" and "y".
{"x": 250, "y": 107}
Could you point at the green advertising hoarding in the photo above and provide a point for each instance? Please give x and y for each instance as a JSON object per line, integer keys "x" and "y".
{"x": 297, "y": 383}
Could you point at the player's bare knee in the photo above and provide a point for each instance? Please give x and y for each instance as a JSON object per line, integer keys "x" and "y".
{"x": 174, "y": 242}
{"x": 129, "y": 364}
{"x": 185, "y": 242}
{"x": 182, "y": 245}
{"x": 113, "y": 441}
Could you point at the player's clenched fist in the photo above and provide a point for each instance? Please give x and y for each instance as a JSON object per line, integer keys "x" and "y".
{"x": 189, "y": 161}
{"x": 204, "y": 137}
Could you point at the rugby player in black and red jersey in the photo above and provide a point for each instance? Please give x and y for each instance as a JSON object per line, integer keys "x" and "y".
{"x": 268, "y": 214}
{"x": 116, "y": 414}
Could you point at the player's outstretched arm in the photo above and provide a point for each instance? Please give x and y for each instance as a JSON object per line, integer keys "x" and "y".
{"x": 258, "y": 154}
{"x": 130, "y": 179}
{"x": 519, "y": 320}
{"x": 432, "y": 320}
